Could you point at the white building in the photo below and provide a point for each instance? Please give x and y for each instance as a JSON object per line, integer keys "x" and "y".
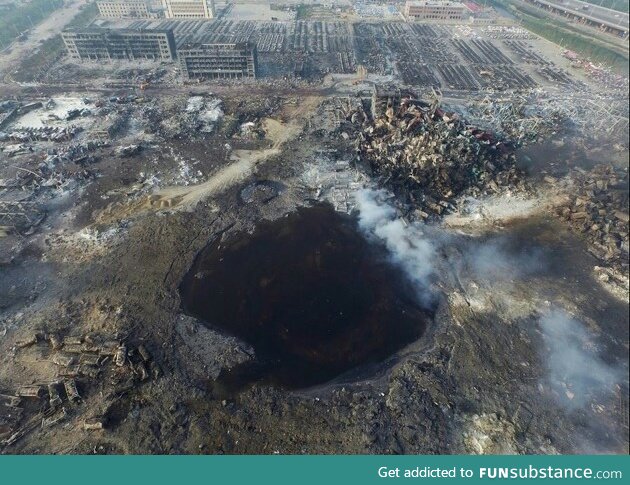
{"x": 188, "y": 9}
{"x": 126, "y": 9}
{"x": 436, "y": 10}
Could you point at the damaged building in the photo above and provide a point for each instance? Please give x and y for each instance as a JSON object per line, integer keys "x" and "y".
{"x": 436, "y": 10}
{"x": 218, "y": 61}
{"x": 128, "y": 9}
{"x": 188, "y": 9}
{"x": 124, "y": 44}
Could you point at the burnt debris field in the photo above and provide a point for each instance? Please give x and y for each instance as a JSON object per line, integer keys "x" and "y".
{"x": 280, "y": 230}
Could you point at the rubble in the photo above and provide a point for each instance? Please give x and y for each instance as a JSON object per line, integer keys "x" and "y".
{"x": 203, "y": 113}
{"x": 596, "y": 206}
{"x": 54, "y": 395}
{"x": 81, "y": 360}
{"x": 34, "y": 391}
{"x": 46, "y": 133}
{"x": 53, "y": 170}
{"x": 128, "y": 151}
{"x": 72, "y": 392}
{"x": 538, "y": 115}
{"x": 95, "y": 423}
{"x": 28, "y": 342}
{"x": 432, "y": 156}
{"x": 603, "y": 75}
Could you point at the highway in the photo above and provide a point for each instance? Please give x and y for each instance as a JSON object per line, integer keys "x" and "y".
{"x": 612, "y": 18}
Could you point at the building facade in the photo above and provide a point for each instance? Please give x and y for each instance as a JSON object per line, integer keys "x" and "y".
{"x": 436, "y": 10}
{"x": 188, "y": 9}
{"x": 125, "y": 9}
{"x": 218, "y": 61}
{"x": 107, "y": 44}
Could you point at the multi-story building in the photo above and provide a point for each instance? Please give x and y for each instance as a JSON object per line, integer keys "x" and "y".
{"x": 436, "y": 10}
{"x": 94, "y": 43}
{"x": 217, "y": 61}
{"x": 126, "y": 9}
{"x": 188, "y": 9}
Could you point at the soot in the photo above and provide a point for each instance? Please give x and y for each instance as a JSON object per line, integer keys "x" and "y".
{"x": 309, "y": 293}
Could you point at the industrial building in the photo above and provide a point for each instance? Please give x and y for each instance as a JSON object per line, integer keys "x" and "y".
{"x": 218, "y": 61}
{"x": 127, "y": 9}
{"x": 436, "y": 10}
{"x": 188, "y": 9}
{"x": 96, "y": 43}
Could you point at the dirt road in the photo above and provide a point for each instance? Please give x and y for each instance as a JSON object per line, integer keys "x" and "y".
{"x": 243, "y": 165}
{"x": 48, "y": 28}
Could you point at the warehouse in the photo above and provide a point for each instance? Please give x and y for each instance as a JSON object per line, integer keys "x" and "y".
{"x": 435, "y": 10}
{"x": 218, "y": 61}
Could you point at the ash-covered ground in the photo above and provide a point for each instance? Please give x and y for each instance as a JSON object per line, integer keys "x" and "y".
{"x": 523, "y": 341}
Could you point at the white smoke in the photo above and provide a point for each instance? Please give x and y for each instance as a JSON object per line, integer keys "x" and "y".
{"x": 492, "y": 260}
{"x": 572, "y": 368}
{"x": 576, "y": 373}
{"x": 408, "y": 245}
{"x": 415, "y": 247}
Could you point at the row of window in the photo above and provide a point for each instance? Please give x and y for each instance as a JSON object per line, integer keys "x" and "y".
{"x": 439, "y": 17}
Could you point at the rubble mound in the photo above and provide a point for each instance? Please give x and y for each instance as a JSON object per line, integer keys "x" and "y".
{"x": 431, "y": 157}
{"x": 597, "y": 207}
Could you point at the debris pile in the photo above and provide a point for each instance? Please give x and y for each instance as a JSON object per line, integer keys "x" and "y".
{"x": 44, "y": 133}
{"x": 518, "y": 119}
{"x": 203, "y": 113}
{"x": 536, "y": 116}
{"x": 53, "y": 170}
{"x": 433, "y": 156}
{"x": 597, "y": 206}
{"x": 78, "y": 154}
{"x": 607, "y": 78}
{"x": 19, "y": 216}
{"x": 79, "y": 360}
{"x": 128, "y": 151}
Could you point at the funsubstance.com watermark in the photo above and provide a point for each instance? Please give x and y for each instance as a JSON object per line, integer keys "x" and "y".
{"x": 529, "y": 472}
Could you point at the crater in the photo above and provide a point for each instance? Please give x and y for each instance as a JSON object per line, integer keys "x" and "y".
{"x": 310, "y": 293}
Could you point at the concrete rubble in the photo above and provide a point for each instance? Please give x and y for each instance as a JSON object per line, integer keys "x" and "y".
{"x": 596, "y": 206}
{"x": 80, "y": 361}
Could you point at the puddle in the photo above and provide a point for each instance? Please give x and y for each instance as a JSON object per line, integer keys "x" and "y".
{"x": 310, "y": 294}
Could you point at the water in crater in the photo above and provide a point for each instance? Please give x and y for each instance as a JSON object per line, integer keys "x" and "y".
{"x": 309, "y": 293}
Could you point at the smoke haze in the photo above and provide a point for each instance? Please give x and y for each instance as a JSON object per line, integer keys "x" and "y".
{"x": 576, "y": 373}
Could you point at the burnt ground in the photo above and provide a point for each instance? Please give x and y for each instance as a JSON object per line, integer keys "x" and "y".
{"x": 476, "y": 381}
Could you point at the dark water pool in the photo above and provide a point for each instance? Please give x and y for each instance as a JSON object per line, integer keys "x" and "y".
{"x": 309, "y": 293}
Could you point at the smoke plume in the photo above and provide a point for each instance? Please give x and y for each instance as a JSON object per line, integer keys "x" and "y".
{"x": 576, "y": 372}
{"x": 408, "y": 245}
